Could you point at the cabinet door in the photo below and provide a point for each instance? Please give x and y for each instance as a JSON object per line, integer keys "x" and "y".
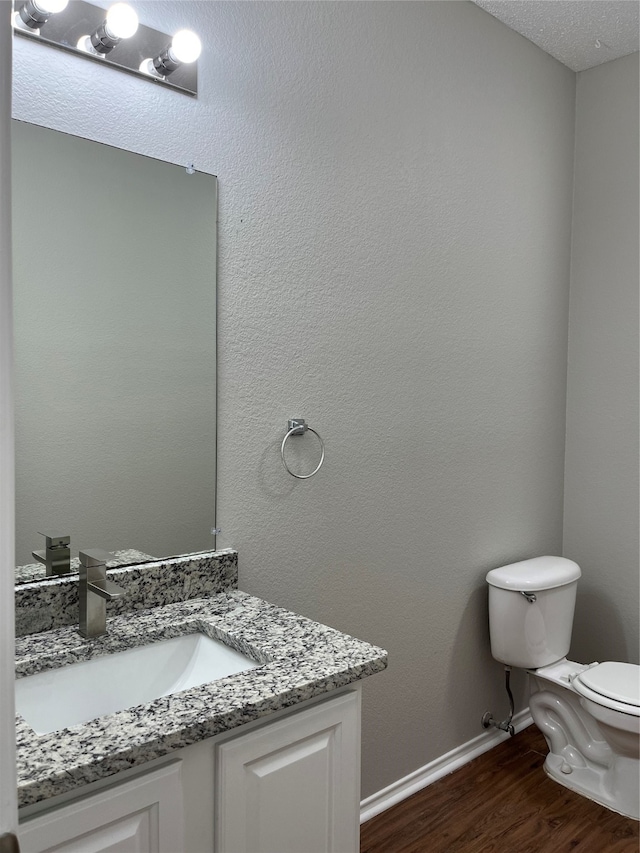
{"x": 293, "y": 786}
{"x": 141, "y": 816}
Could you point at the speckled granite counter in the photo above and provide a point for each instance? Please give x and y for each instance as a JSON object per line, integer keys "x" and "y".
{"x": 300, "y": 659}
{"x": 38, "y": 572}
{"x": 53, "y": 602}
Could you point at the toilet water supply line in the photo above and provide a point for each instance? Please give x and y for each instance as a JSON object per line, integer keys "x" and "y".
{"x": 505, "y": 725}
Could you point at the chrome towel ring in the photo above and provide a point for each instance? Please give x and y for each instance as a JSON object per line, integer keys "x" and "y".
{"x": 298, "y": 426}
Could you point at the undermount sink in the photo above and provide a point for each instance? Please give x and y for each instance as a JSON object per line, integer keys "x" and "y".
{"x": 58, "y": 698}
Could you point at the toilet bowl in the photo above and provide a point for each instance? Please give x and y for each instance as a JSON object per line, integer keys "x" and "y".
{"x": 589, "y": 714}
{"x": 593, "y": 738}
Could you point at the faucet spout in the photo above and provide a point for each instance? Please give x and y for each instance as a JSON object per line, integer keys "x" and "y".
{"x": 94, "y": 592}
{"x": 106, "y": 589}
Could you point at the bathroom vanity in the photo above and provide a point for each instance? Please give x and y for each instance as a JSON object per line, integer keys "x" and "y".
{"x": 266, "y": 759}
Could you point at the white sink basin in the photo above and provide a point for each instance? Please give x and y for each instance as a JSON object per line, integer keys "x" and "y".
{"x": 80, "y": 692}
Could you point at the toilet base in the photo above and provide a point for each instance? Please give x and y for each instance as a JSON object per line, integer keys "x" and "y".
{"x": 580, "y": 757}
{"x": 588, "y": 783}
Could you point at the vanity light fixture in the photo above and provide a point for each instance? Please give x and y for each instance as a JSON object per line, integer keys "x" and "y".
{"x": 34, "y": 13}
{"x": 112, "y": 38}
{"x": 121, "y": 23}
{"x": 185, "y": 48}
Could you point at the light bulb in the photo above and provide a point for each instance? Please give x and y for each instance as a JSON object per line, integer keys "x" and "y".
{"x": 122, "y": 21}
{"x": 185, "y": 46}
{"x": 50, "y": 7}
{"x": 35, "y": 13}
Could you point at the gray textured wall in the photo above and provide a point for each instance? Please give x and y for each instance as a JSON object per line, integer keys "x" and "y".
{"x": 601, "y": 488}
{"x": 394, "y": 245}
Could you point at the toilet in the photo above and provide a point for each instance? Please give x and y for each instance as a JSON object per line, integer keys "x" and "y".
{"x": 588, "y": 713}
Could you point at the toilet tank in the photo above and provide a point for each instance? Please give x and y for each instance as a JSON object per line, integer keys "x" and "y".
{"x": 532, "y": 630}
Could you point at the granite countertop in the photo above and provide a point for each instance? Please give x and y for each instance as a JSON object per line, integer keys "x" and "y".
{"x": 299, "y": 659}
{"x": 37, "y": 572}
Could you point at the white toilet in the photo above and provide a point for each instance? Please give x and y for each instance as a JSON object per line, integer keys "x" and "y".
{"x": 589, "y": 715}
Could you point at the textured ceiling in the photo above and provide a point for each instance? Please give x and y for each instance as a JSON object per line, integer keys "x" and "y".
{"x": 580, "y": 33}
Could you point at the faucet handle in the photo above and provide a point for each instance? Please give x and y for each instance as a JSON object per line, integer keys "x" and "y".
{"x": 55, "y": 540}
{"x": 95, "y": 557}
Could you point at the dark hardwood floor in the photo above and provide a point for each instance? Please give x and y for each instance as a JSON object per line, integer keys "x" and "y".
{"x": 502, "y": 802}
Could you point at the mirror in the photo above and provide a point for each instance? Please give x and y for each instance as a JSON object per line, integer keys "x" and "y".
{"x": 114, "y": 258}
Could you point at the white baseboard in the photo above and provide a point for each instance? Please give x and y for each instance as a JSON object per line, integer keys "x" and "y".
{"x": 419, "y": 779}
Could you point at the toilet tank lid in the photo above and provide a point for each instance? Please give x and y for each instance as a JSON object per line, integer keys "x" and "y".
{"x": 536, "y": 574}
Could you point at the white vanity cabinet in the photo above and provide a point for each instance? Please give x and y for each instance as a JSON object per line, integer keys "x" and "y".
{"x": 143, "y": 815}
{"x": 288, "y": 785}
{"x": 293, "y": 786}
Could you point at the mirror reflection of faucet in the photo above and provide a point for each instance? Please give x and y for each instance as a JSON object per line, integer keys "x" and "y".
{"x": 95, "y": 590}
{"x": 56, "y": 557}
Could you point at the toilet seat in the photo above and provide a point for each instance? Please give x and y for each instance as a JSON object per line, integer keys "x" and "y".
{"x": 613, "y": 685}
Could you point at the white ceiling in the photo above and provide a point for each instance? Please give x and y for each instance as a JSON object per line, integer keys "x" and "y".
{"x": 571, "y": 30}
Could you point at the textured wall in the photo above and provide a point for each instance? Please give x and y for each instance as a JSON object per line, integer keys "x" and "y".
{"x": 601, "y": 492}
{"x": 394, "y": 241}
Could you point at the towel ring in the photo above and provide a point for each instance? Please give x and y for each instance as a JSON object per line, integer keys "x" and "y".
{"x": 298, "y": 426}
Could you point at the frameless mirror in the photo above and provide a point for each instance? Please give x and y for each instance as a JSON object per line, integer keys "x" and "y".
{"x": 114, "y": 258}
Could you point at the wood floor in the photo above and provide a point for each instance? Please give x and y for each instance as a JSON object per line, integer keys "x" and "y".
{"x": 502, "y": 802}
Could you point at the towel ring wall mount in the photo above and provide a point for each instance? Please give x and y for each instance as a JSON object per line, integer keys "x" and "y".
{"x": 298, "y": 426}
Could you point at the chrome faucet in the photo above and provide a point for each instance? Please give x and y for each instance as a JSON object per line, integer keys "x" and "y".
{"x": 56, "y": 557}
{"x": 95, "y": 590}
